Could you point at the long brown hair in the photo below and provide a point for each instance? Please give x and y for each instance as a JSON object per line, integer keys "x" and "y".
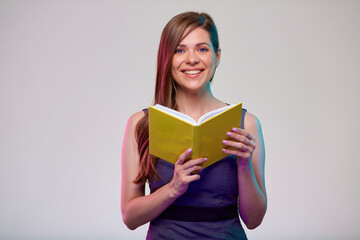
{"x": 165, "y": 88}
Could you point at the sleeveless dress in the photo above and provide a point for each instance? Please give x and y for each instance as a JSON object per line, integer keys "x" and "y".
{"x": 204, "y": 204}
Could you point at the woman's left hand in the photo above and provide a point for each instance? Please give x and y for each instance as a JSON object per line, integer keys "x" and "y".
{"x": 244, "y": 143}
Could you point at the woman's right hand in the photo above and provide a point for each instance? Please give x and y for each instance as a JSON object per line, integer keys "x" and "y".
{"x": 184, "y": 172}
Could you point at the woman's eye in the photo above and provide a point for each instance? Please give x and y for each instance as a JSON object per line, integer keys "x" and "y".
{"x": 179, "y": 51}
{"x": 203, "y": 50}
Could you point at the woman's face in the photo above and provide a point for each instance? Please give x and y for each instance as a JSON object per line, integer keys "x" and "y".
{"x": 194, "y": 61}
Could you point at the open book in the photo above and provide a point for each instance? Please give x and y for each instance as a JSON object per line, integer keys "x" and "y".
{"x": 172, "y": 132}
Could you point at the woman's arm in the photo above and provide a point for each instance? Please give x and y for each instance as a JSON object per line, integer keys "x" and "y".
{"x": 251, "y": 163}
{"x": 138, "y": 209}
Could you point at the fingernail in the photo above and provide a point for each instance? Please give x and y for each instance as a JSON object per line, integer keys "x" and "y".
{"x": 235, "y": 129}
{"x": 224, "y": 141}
{"x": 228, "y": 133}
{"x": 205, "y": 159}
{"x": 190, "y": 150}
{"x": 224, "y": 150}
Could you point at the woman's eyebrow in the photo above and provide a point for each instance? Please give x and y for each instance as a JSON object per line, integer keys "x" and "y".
{"x": 198, "y": 44}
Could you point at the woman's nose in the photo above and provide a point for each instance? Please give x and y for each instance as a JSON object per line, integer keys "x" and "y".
{"x": 192, "y": 58}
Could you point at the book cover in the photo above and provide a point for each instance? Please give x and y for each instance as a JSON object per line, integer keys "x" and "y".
{"x": 172, "y": 132}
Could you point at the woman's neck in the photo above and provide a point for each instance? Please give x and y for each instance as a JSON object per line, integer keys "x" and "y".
{"x": 197, "y": 104}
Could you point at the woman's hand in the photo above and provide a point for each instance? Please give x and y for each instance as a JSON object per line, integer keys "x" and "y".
{"x": 244, "y": 142}
{"x": 183, "y": 172}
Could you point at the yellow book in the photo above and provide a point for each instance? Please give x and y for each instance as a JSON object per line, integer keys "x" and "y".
{"x": 172, "y": 132}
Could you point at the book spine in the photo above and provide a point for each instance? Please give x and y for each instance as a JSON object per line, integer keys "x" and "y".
{"x": 196, "y": 142}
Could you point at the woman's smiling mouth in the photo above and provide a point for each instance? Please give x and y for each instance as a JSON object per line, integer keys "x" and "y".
{"x": 192, "y": 72}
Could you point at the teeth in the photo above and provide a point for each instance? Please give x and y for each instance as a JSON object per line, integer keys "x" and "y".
{"x": 192, "y": 72}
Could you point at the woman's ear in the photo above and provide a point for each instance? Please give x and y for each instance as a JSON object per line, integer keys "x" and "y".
{"x": 218, "y": 56}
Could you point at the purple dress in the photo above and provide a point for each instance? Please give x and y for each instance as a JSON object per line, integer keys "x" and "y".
{"x": 207, "y": 210}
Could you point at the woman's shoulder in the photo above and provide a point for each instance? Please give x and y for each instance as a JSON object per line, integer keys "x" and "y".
{"x": 138, "y": 115}
{"x": 134, "y": 119}
{"x": 251, "y": 121}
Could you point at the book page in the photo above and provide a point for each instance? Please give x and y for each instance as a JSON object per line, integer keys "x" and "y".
{"x": 213, "y": 113}
{"x": 189, "y": 119}
{"x": 176, "y": 114}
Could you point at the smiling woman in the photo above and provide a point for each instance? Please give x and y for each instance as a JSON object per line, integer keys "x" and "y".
{"x": 194, "y": 61}
{"x": 187, "y": 201}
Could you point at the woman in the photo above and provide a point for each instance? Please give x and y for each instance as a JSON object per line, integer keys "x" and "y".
{"x": 184, "y": 205}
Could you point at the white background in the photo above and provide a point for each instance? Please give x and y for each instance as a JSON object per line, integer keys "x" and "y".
{"x": 72, "y": 72}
